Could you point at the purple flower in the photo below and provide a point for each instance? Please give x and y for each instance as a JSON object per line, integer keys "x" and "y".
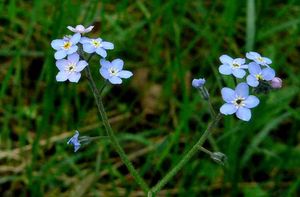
{"x": 113, "y": 71}
{"x": 258, "y": 58}
{"x": 74, "y": 141}
{"x": 238, "y": 101}
{"x": 69, "y": 69}
{"x": 276, "y": 83}
{"x": 80, "y": 29}
{"x": 198, "y": 83}
{"x": 65, "y": 46}
{"x": 257, "y": 74}
{"x": 96, "y": 45}
{"x": 232, "y": 66}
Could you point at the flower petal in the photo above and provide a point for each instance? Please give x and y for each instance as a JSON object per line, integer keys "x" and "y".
{"x": 60, "y": 54}
{"x": 72, "y": 50}
{"x": 57, "y": 44}
{"x": 115, "y": 80}
{"x": 251, "y": 101}
{"x": 239, "y": 61}
{"x": 228, "y": 94}
{"x": 71, "y": 29}
{"x": 104, "y": 72}
{"x": 252, "y": 55}
{"x": 228, "y": 109}
{"x": 60, "y": 64}
{"x": 254, "y": 68}
{"x": 100, "y": 51}
{"x": 107, "y": 45}
{"x": 242, "y": 90}
{"x": 225, "y": 59}
{"x": 75, "y": 38}
{"x": 88, "y": 29}
{"x": 252, "y": 81}
{"x": 243, "y": 114}
{"x": 81, "y": 65}
{"x": 74, "y": 77}
{"x": 73, "y": 57}
{"x": 105, "y": 64}
{"x": 225, "y": 69}
{"x": 267, "y": 60}
{"x": 84, "y": 40}
{"x": 268, "y": 74}
{"x": 118, "y": 64}
{"x": 124, "y": 74}
{"x": 238, "y": 73}
{"x": 62, "y": 76}
{"x": 88, "y": 48}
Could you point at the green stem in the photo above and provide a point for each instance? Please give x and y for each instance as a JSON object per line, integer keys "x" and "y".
{"x": 186, "y": 157}
{"x": 111, "y": 134}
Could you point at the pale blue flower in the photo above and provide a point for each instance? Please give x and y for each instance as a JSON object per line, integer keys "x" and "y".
{"x": 65, "y": 46}
{"x": 258, "y": 58}
{"x": 238, "y": 101}
{"x": 257, "y": 74}
{"x": 113, "y": 71}
{"x": 70, "y": 68}
{"x": 74, "y": 141}
{"x": 96, "y": 45}
{"x": 232, "y": 66}
{"x": 80, "y": 29}
{"x": 198, "y": 83}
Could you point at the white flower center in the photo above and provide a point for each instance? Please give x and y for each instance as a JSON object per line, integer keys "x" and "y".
{"x": 113, "y": 71}
{"x": 70, "y": 67}
{"x": 239, "y": 102}
{"x": 96, "y": 43}
{"x": 67, "y": 45}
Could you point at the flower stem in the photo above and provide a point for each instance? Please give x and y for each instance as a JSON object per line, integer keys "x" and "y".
{"x": 111, "y": 134}
{"x": 186, "y": 157}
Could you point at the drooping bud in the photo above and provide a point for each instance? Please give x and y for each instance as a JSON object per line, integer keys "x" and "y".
{"x": 276, "y": 83}
{"x": 219, "y": 157}
{"x": 198, "y": 83}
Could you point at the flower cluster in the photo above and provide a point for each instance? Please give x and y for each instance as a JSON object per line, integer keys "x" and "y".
{"x": 258, "y": 74}
{"x": 70, "y": 58}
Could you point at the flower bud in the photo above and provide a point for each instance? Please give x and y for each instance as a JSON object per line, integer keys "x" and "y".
{"x": 276, "y": 83}
{"x": 198, "y": 83}
{"x": 219, "y": 157}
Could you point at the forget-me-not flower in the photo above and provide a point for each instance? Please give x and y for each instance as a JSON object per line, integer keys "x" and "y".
{"x": 113, "y": 71}
{"x": 238, "y": 101}
{"x": 96, "y": 45}
{"x": 70, "y": 68}
{"x": 232, "y": 66}
{"x": 257, "y": 74}
{"x": 65, "y": 46}
{"x": 198, "y": 83}
{"x": 80, "y": 29}
{"x": 258, "y": 58}
{"x": 74, "y": 141}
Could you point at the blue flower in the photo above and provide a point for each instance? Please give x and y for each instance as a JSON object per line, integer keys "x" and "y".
{"x": 257, "y": 74}
{"x": 258, "y": 58}
{"x": 69, "y": 69}
{"x": 198, "y": 83}
{"x": 232, "y": 66}
{"x": 113, "y": 71}
{"x": 74, "y": 141}
{"x": 96, "y": 45}
{"x": 65, "y": 46}
{"x": 80, "y": 29}
{"x": 238, "y": 101}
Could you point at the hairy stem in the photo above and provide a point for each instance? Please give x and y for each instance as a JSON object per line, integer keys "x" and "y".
{"x": 186, "y": 157}
{"x": 111, "y": 134}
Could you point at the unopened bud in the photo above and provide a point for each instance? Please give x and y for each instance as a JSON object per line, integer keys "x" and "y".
{"x": 219, "y": 157}
{"x": 276, "y": 83}
{"x": 198, "y": 83}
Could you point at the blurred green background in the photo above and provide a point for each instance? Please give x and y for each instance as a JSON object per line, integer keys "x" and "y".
{"x": 156, "y": 114}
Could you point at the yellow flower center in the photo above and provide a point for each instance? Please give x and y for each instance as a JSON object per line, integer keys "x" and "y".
{"x": 235, "y": 65}
{"x": 259, "y": 77}
{"x": 260, "y": 59}
{"x": 67, "y": 45}
{"x": 96, "y": 43}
